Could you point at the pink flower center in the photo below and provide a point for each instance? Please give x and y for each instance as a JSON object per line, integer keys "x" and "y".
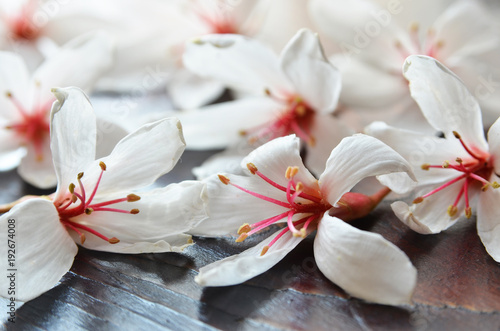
{"x": 430, "y": 46}
{"x": 33, "y": 127}
{"x": 221, "y": 23}
{"x": 76, "y": 204}
{"x": 309, "y": 207}
{"x": 475, "y": 170}
{"x": 21, "y": 26}
{"x": 296, "y": 117}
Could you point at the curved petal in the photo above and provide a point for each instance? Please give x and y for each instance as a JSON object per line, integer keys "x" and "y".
{"x": 44, "y": 250}
{"x": 72, "y": 135}
{"x": 165, "y": 214}
{"x": 431, "y": 215}
{"x": 217, "y": 126}
{"x": 154, "y": 148}
{"x": 364, "y": 264}
{"x": 78, "y": 63}
{"x": 230, "y": 207}
{"x": 38, "y": 170}
{"x": 273, "y": 159}
{"x": 236, "y": 61}
{"x": 488, "y": 221}
{"x": 239, "y": 268}
{"x": 328, "y": 132}
{"x": 355, "y": 158}
{"x": 313, "y": 77}
{"x": 444, "y": 100}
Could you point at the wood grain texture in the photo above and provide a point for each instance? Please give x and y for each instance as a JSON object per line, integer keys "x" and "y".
{"x": 458, "y": 285}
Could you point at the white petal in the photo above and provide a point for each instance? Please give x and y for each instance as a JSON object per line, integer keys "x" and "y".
{"x": 44, "y": 251}
{"x": 230, "y": 207}
{"x": 188, "y": 90}
{"x": 328, "y": 132}
{"x": 219, "y": 125}
{"x": 494, "y": 143}
{"x": 355, "y": 158}
{"x": 273, "y": 159}
{"x": 164, "y": 216}
{"x": 431, "y": 215}
{"x": 488, "y": 221}
{"x": 141, "y": 157}
{"x": 313, "y": 77}
{"x": 364, "y": 264}
{"x": 444, "y": 100}
{"x": 78, "y": 63}
{"x": 37, "y": 171}
{"x": 236, "y": 61}
{"x": 239, "y": 268}
{"x": 72, "y": 135}
{"x": 14, "y": 78}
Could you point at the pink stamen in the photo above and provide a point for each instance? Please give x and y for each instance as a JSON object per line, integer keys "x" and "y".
{"x": 453, "y": 181}
{"x": 263, "y": 197}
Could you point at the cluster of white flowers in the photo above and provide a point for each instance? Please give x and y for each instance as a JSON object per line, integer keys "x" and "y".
{"x": 364, "y": 88}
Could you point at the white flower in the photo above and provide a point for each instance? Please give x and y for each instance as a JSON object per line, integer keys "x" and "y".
{"x": 457, "y": 173}
{"x": 25, "y": 102}
{"x": 95, "y": 204}
{"x": 278, "y": 188}
{"x": 294, "y": 93}
{"x": 376, "y": 37}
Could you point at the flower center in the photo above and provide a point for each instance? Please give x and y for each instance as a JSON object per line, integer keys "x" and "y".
{"x": 77, "y": 204}
{"x": 309, "y": 207}
{"x": 21, "y": 26}
{"x": 33, "y": 127}
{"x": 476, "y": 169}
{"x": 430, "y": 46}
{"x": 220, "y": 23}
{"x": 296, "y": 117}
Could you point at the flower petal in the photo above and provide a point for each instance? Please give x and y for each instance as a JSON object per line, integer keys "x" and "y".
{"x": 154, "y": 148}
{"x": 236, "y": 61}
{"x": 488, "y": 221}
{"x": 217, "y": 126}
{"x": 444, "y": 100}
{"x": 165, "y": 214}
{"x": 355, "y": 158}
{"x": 72, "y": 135}
{"x": 314, "y": 78}
{"x": 239, "y": 268}
{"x": 14, "y": 78}
{"x": 38, "y": 169}
{"x": 364, "y": 264}
{"x": 78, "y": 63}
{"x": 494, "y": 143}
{"x": 44, "y": 250}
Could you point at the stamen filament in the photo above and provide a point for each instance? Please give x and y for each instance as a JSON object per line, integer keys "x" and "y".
{"x": 260, "y": 196}
{"x": 471, "y": 153}
{"x": 444, "y": 186}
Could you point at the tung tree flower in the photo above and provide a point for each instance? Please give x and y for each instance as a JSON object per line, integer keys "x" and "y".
{"x": 96, "y": 203}
{"x": 25, "y": 102}
{"x": 279, "y": 189}
{"x": 457, "y": 173}
{"x": 376, "y": 36}
{"x": 294, "y": 93}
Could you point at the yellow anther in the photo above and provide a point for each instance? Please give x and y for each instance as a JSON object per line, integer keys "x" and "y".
{"x": 311, "y": 142}
{"x": 425, "y": 166}
{"x": 113, "y": 240}
{"x": 299, "y": 187}
{"x": 468, "y": 212}
{"x": 418, "y": 200}
{"x": 88, "y": 211}
{"x": 82, "y": 238}
{"x": 8, "y": 94}
{"x": 452, "y": 210}
{"x": 446, "y": 164}
{"x": 300, "y": 110}
{"x": 457, "y": 135}
{"x": 440, "y": 44}
{"x": 242, "y": 237}
{"x": 102, "y": 165}
{"x": 291, "y": 172}
{"x": 244, "y": 228}
{"x": 134, "y": 211}
{"x": 80, "y": 175}
{"x": 71, "y": 188}
{"x": 303, "y": 233}
{"x": 495, "y": 185}
{"x": 242, "y": 133}
{"x": 267, "y": 91}
{"x": 414, "y": 27}
{"x": 74, "y": 198}
{"x": 459, "y": 160}
{"x": 224, "y": 179}
{"x": 264, "y": 250}
{"x": 253, "y": 169}
{"x": 132, "y": 197}
{"x": 485, "y": 187}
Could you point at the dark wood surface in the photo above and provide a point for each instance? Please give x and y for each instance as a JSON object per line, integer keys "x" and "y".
{"x": 458, "y": 285}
